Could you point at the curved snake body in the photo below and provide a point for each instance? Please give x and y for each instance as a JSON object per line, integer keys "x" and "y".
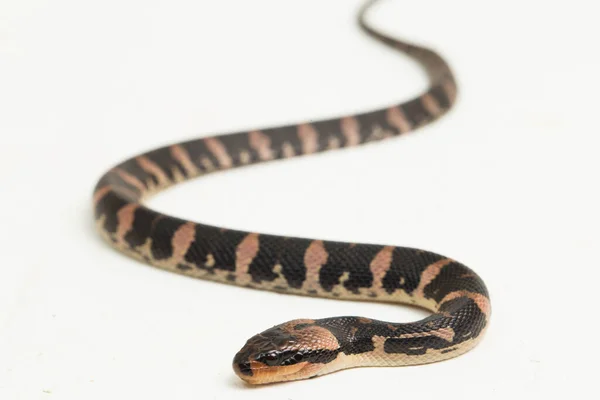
{"x": 299, "y": 349}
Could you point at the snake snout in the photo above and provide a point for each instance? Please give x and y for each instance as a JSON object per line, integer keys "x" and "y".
{"x": 242, "y": 368}
{"x": 241, "y": 362}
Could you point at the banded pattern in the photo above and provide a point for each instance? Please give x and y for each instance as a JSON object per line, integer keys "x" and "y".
{"x": 299, "y": 349}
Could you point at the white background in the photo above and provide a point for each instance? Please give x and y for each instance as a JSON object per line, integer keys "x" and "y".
{"x": 506, "y": 183}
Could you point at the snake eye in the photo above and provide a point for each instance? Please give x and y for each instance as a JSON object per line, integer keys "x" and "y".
{"x": 271, "y": 358}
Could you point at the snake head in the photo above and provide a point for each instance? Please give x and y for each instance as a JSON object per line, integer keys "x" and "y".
{"x": 295, "y": 350}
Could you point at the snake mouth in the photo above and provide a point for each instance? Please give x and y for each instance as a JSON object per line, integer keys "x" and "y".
{"x": 257, "y": 373}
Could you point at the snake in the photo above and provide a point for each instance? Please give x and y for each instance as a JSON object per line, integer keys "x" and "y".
{"x": 455, "y": 296}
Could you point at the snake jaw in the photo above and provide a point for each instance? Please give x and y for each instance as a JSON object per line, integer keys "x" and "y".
{"x": 263, "y": 374}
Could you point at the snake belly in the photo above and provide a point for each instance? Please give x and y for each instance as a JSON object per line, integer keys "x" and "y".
{"x": 456, "y": 296}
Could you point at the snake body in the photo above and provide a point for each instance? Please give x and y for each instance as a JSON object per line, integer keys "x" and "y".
{"x": 456, "y": 296}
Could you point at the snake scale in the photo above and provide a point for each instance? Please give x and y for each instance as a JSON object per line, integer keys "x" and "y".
{"x": 456, "y": 296}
